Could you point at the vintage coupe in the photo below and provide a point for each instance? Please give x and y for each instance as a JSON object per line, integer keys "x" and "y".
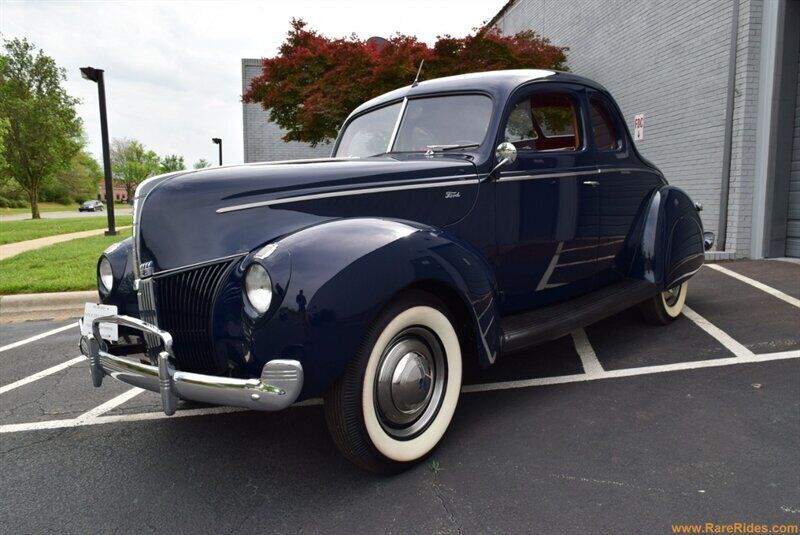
{"x": 457, "y": 220}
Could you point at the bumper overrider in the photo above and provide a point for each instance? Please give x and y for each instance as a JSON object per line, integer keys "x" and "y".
{"x": 280, "y": 383}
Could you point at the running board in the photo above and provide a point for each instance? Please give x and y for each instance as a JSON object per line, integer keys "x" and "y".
{"x": 528, "y": 329}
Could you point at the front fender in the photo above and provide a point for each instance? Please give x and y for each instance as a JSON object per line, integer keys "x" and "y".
{"x": 344, "y": 272}
{"x": 123, "y": 294}
{"x": 671, "y": 248}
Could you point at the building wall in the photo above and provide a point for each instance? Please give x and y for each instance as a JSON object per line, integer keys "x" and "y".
{"x": 793, "y": 214}
{"x": 745, "y": 118}
{"x": 670, "y": 61}
{"x": 262, "y": 138}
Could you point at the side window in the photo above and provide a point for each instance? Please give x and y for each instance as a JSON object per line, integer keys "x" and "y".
{"x": 605, "y": 134}
{"x": 544, "y": 122}
{"x": 519, "y": 129}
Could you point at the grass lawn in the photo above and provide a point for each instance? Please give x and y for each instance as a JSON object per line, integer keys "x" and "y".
{"x": 61, "y": 267}
{"x": 43, "y": 207}
{"x": 29, "y": 229}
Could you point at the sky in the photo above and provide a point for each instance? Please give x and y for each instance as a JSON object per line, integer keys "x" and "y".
{"x": 173, "y": 68}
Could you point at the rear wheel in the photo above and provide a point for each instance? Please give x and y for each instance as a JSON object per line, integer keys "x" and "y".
{"x": 665, "y": 307}
{"x": 398, "y": 395}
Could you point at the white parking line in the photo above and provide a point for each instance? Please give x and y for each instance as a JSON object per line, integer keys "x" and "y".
{"x": 585, "y": 350}
{"x": 760, "y": 285}
{"x": 507, "y": 385}
{"x": 37, "y": 337}
{"x": 721, "y": 336}
{"x": 627, "y": 372}
{"x": 39, "y": 375}
{"x": 110, "y": 404}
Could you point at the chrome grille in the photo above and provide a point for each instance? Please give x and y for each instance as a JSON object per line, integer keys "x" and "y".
{"x": 185, "y": 303}
{"x": 147, "y": 312}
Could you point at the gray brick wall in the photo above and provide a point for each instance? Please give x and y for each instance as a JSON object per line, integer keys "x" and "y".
{"x": 262, "y": 138}
{"x": 668, "y": 60}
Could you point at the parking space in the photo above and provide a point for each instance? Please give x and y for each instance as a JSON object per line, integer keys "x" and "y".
{"x": 756, "y": 319}
{"x": 620, "y": 428}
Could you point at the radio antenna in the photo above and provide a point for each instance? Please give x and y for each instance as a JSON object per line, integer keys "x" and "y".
{"x": 416, "y": 78}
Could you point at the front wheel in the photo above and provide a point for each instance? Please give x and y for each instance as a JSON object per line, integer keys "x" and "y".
{"x": 665, "y": 307}
{"x": 396, "y": 399}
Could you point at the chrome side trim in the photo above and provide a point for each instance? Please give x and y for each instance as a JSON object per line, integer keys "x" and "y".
{"x": 589, "y": 261}
{"x": 629, "y": 170}
{"x": 593, "y": 246}
{"x": 543, "y": 282}
{"x": 544, "y": 176}
{"x": 279, "y": 386}
{"x": 346, "y": 193}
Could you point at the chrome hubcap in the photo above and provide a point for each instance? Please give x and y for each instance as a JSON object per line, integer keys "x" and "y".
{"x": 671, "y": 296}
{"x": 410, "y": 382}
{"x": 411, "y": 386}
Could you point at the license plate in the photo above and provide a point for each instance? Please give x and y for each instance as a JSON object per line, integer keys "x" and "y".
{"x": 92, "y": 311}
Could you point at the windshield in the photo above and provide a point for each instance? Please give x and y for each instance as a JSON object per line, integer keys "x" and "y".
{"x": 447, "y": 122}
{"x": 369, "y": 134}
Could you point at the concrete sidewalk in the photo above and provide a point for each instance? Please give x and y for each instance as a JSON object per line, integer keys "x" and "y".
{"x": 63, "y": 215}
{"x": 13, "y": 249}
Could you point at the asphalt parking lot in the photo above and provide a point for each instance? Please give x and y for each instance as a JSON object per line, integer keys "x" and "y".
{"x": 620, "y": 428}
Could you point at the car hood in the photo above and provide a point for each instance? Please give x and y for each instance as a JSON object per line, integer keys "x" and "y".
{"x": 199, "y": 216}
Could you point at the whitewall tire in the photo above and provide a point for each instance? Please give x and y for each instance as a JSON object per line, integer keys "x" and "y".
{"x": 396, "y": 399}
{"x": 664, "y": 308}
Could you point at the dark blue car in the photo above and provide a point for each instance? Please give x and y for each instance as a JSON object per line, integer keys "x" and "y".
{"x": 457, "y": 220}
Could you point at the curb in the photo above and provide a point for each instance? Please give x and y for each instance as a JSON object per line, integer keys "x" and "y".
{"x": 56, "y": 305}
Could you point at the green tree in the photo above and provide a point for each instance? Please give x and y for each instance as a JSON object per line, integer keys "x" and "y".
{"x": 76, "y": 183}
{"x": 171, "y": 163}
{"x": 202, "y": 163}
{"x": 44, "y": 131}
{"x": 131, "y": 163}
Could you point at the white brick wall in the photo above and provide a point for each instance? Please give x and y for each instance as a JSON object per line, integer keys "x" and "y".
{"x": 262, "y": 138}
{"x": 668, "y": 60}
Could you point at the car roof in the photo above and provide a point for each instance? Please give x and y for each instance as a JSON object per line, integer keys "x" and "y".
{"x": 497, "y": 83}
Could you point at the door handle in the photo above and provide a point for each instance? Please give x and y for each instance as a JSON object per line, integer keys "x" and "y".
{"x": 593, "y": 183}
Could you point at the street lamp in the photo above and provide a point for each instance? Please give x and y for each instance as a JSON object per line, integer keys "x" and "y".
{"x": 218, "y": 141}
{"x": 96, "y": 76}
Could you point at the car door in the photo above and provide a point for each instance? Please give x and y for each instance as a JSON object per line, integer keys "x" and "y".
{"x": 547, "y": 201}
{"x": 625, "y": 185}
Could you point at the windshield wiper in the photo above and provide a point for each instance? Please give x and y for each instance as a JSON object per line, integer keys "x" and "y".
{"x": 432, "y": 149}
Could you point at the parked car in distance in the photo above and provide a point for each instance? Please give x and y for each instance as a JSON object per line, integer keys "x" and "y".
{"x": 91, "y": 206}
{"x": 457, "y": 220}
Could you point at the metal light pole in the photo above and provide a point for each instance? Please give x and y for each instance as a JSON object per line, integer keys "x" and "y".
{"x": 96, "y": 76}
{"x": 218, "y": 141}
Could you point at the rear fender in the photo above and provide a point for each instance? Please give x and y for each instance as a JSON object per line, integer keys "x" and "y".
{"x": 671, "y": 248}
{"x": 344, "y": 272}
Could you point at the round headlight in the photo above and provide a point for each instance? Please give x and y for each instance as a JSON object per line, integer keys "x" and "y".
{"x": 258, "y": 288}
{"x": 105, "y": 275}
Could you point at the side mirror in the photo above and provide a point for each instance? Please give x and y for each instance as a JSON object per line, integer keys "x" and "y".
{"x": 506, "y": 154}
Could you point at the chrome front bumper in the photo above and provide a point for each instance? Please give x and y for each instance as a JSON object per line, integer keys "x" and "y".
{"x": 279, "y": 386}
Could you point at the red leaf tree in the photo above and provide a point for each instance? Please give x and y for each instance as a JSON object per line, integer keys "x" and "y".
{"x": 314, "y": 82}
